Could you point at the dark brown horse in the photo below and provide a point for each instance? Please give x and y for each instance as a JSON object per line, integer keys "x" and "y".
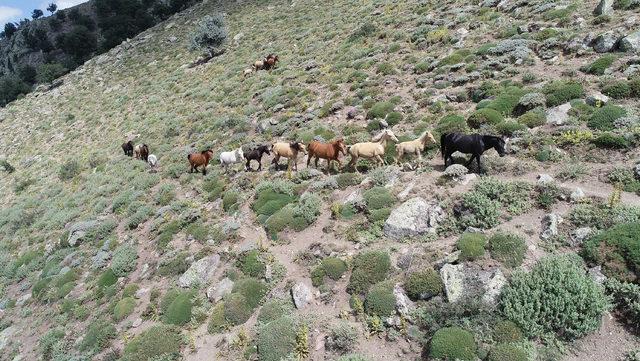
{"x": 200, "y": 159}
{"x": 127, "y": 147}
{"x": 141, "y": 151}
{"x": 329, "y": 151}
{"x": 474, "y": 144}
{"x": 256, "y": 154}
{"x": 270, "y": 61}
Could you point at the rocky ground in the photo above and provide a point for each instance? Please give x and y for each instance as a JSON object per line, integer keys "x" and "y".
{"x": 106, "y": 258}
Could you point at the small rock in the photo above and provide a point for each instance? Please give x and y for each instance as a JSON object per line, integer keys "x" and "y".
{"x": 140, "y": 293}
{"x": 199, "y": 272}
{"x": 544, "y": 178}
{"x": 352, "y": 112}
{"x": 403, "y": 304}
{"x": 605, "y": 7}
{"x": 456, "y": 171}
{"x": 597, "y": 99}
{"x": 301, "y": 295}
{"x": 631, "y": 43}
{"x": 78, "y": 230}
{"x": 596, "y": 274}
{"x": 558, "y": 115}
{"x": 414, "y": 217}
{"x": 217, "y": 292}
{"x": 550, "y": 225}
{"x": 136, "y": 323}
{"x": 577, "y": 195}
{"x": 605, "y": 43}
{"x": 579, "y": 235}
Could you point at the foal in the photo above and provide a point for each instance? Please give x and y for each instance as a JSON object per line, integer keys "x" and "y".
{"x": 200, "y": 159}
{"x": 256, "y": 154}
{"x": 329, "y": 151}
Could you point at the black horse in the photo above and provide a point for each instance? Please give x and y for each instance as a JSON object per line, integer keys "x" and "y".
{"x": 127, "y": 147}
{"x": 474, "y": 144}
{"x": 256, "y": 154}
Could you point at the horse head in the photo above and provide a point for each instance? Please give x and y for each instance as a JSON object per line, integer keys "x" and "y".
{"x": 301, "y": 147}
{"x": 239, "y": 153}
{"x": 428, "y": 137}
{"x": 264, "y": 149}
{"x": 500, "y": 145}
{"x": 385, "y": 135}
{"x": 340, "y": 146}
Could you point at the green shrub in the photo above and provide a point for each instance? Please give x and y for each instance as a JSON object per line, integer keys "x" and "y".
{"x": 342, "y": 337}
{"x": 509, "y": 249}
{"x": 380, "y": 300}
{"x": 617, "y": 250}
{"x": 345, "y": 180}
{"x": 471, "y": 246}
{"x": 251, "y": 265}
{"x": 69, "y": 170}
{"x": 155, "y": 342}
{"x": 507, "y": 100}
{"x": 380, "y": 110}
{"x": 49, "y": 341}
{"x": 508, "y": 352}
{"x": 130, "y": 290}
{"x": 230, "y": 201}
{"x": 560, "y": 91}
{"x": 557, "y": 296}
{"x": 378, "y": 198}
{"x": 274, "y": 309}
{"x": 484, "y": 116}
{"x": 634, "y": 85}
{"x": 217, "y": 322}
{"x": 178, "y": 311}
{"x": 604, "y": 118}
{"x": 394, "y": 118}
{"x": 453, "y": 343}
{"x": 276, "y": 339}
{"x": 210, "y": 34}
{"x": 46, "y": 73}
{"x": 617, "y": 89}
{"x": 123, "y": 308}
{"x": 386, "y": 69}
{"x": 507, "y": 331}
{"x": 334, "y": 267}
{"x": 98, "y": 336}
{"x": 269, "y": 202}
{"x": 423, "y": 285}
{"x": 611, "y": 141}
{"x": 214, "y": 187}
{"x": 252, "y": 289}
{"x": 508, "y": 127}
{"x": 452, "y": 123}
{"x": 548, "y": 194}
{"x": 124, "y": 260}
{"x": 533, "y": 118}
{"x": 600, "y": 65}
{"x": 626, "y": 298}
{"x": 317, "y": 276}
{"x": 107, "y": 279}
{"x": 236, "y": 309}
{"x": 368, "y": 268}
{"x": 481, "y": 212}
{"x": 175, "y": 266}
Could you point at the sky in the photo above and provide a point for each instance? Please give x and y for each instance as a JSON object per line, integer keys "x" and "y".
{"x": 14, "y": 10}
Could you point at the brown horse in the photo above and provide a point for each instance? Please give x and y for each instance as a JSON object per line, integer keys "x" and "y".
{"x": 141, "y": 151}
{"x": 200, "y": 159}
{"x": 127, "y": 147}
{"x": 329, "y": 151}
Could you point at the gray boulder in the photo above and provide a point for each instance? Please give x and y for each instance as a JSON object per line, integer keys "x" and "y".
{"x": 577, "y": 195}
{"x": 597, "y": 99}
{"x": 605, "y": 42}
{"x": 631, "y": 42}
{"x": 550, "y": 224}
{"x": 530, "y": 101}
{"x": 636, "y": 170}
{"x": 6, "y": 335}
{"x": 403, "y": 304}
{"x": 78, "y": 230}
{"x": 199, "y": 272}
{"x": 414, "y": 217}
{"x": 456, "y": 171}
{"x": 558, "y": 115}
{"x": 544, "y": 178}
{"x": 216, "y": 292}
{"x": 301, "y": 294}
{"x": 579, "y": 235}
{"x": 605, "y": 7}
{"x": 596, "y": 274}
{"x": 465, "y": 281}
{"x": 101, "y": 259}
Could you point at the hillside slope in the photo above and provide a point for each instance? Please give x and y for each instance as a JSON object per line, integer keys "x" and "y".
{"x": 102, "y": 257}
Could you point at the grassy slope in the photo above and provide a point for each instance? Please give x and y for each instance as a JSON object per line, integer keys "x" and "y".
{"x": 144, "y": 87}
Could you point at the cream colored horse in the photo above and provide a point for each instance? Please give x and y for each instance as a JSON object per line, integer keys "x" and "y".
{"x": 371, "y": 150}
{"x": 415, "y": 146}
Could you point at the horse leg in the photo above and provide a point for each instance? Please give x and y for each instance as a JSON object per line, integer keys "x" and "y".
{"x": 352, "y": 163}
{"x": 204, "y": 169}
{"x": 316, "y": 162}
{"x": 379, "y": 158}
{"x": 478, "y": 159}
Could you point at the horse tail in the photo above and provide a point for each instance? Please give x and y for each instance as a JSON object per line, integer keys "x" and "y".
{"x": 442, "y": 145}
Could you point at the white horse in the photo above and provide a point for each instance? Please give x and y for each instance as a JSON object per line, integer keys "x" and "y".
{"x": 152, "y": 160}
{"x": 232, "y": 157}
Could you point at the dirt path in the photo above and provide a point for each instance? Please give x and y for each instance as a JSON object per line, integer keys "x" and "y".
{"x": 610, "y": 343}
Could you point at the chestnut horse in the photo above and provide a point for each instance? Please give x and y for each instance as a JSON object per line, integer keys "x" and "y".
{"x": 200, "y": 159}
{"x": 329, "y": 151}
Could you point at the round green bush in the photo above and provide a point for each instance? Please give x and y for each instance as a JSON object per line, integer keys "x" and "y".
{"x": 130, "y": 290}
{"x": 453, "y": 343}
{"x": 124, "y": 308}
{"x": 380, "y": 300}
{"x": 342, "y": 337}
{"x": 604, "y": 118}
{"x": 617, "y": 90}
{"x": 380, "y": 110}
{"x": 40, "y": 288}
{"x": 368, "y": 268}
{"x": 556, "y": 296}
{"x": 179, "y": 311}
{"x": 345, "y": 180}
{"x": 506, "y": 102}
{"x": 236, "y": 309}
{"x": 452, "y": 123}
{"x": 611, "y": 141}
{"x": 378, "y": 198}
{"x": 600, "y": 65}
{"x": 506, "y": 331}
{"x": 251, "y": 265}
{"x": 423, "y": 285}
{"x": 483, "y": 117}
{"x": 560, "y": 91}
{"x": 124, "y": 260}
{"x": 508, "y": 352}
{"x": 508, "y": 127}
{"x": 274, "y": 309}
{"x": 217, "y": 322}
{"x": 107, "y": 279}
{"x": 532, "y": 119}
{"x": 507, "y": 248}
{"x": 276, "y": 339}
{"x": 252, "y": 289}
{"x": 334, "y": 267}
{"x": 157, "y": 341}
{"x": 617, "y": 250}
{"x": 393, "y": 118}
{"x": 317, "y": 276}
{"x": 634, "y": 85}
{"x": 481, "y": 212}
{"x": 378, "y": 215}
{"x": 471, "y": 246}
{"x": 98, "y": 336}
{"x": 230, "y": 201}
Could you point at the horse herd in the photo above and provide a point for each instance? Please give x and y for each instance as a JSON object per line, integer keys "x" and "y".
{"x": 374, "y": 150}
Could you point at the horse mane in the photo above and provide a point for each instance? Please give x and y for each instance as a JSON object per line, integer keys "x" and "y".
{"x": 295, "y": 145}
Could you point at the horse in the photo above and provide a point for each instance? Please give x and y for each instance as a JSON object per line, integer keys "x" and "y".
{"x": 289, "y": 151}
{"x": 232, "y": 157}
{"x": 256, "y": 154}
{"x": 415, "y": 146}
{"x": 127, "y": 147}
{"x": 329, "y": 151}
{"x": 152, "y": 160}
{"x": 474, "y": 144}
{"x": 200, "y": 159}
{"x": 371, "y": 150}
{"x": 247, "y": 72}
{"x": 141, "y": 151}
{"x": 267, "y": 63}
